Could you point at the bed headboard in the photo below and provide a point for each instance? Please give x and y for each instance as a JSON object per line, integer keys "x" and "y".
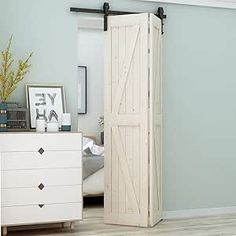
{"x": 92, "y": 137}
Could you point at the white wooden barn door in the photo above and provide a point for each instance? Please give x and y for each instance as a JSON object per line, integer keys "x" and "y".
{"x": 155, "y": 121}
{"x": 127, "y": 121}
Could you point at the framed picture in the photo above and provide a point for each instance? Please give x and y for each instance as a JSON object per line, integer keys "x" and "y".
{"x": 46, "y": 101}
{"x": 82, "y": 89}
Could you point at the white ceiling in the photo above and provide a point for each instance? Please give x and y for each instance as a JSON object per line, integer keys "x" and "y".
{"x": 231, "y": 4}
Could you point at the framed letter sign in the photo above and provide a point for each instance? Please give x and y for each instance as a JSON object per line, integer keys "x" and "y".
{"x": 47, "y": 101}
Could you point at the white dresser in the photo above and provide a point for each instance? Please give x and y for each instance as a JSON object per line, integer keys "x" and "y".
{"x": 41, "y": 178}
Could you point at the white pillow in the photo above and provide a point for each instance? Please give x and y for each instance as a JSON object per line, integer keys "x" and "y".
{"x": 89, "y": 147}
{"x": 87, "y": 143}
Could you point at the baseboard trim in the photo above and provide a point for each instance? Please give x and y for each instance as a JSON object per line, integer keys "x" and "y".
{"x": 190, "y": 213}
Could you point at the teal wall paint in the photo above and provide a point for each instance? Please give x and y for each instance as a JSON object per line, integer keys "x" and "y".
{"x": 199, "y": 52}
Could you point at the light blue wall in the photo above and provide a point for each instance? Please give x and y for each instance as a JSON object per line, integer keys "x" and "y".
{"x": 50, "y": 31}
{"x": 199, "y": 87}
{"x": 91, "y": 53}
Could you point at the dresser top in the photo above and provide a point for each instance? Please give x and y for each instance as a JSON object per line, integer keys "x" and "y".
{"x": 38, "y": 133}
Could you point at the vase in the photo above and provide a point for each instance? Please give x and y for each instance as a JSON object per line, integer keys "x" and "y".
{"x": 3, "y": 116}
{"x": 66, "y": 122}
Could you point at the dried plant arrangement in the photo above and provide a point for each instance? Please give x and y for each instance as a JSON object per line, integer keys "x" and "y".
{"x": 9, "y": 77}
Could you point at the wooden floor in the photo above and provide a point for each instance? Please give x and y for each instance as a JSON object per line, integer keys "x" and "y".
{"x": 93, "y": 225}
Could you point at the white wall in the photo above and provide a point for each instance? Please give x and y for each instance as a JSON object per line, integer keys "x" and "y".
{"x": 91, "y": 54}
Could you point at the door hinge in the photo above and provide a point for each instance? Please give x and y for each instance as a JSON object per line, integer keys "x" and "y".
{"x": 149, "y": 99}
{"x": 149, "y": 93}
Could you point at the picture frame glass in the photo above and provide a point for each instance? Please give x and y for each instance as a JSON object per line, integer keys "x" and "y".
{"x": 82, "y": 89}
{"x": 46, "y": 102}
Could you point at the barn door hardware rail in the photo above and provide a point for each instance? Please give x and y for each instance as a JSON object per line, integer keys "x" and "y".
{"x": 106, "y": 11}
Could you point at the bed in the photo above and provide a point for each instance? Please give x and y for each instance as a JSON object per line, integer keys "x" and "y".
{"x": 93, "y": 168}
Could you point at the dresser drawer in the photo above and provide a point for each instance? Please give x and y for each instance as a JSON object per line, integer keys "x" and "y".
{"x": 35, "y": 196}
{"x": 35, "y": 160}
{"x": 23, "y": 215}
{"x": 32, "y": 142}
{"x": 48, "y": 177}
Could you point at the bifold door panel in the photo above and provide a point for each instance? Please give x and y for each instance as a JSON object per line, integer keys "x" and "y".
{"x": 127, "y": 120}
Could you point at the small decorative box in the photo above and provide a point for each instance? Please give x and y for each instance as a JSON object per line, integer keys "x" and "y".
{"x": 17, "y": 119}
{"x": 3, "y": 117}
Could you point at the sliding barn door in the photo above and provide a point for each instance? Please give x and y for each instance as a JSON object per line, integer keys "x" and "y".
{"x": 126, "y": 121}
{"x": 155, "y": 120}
